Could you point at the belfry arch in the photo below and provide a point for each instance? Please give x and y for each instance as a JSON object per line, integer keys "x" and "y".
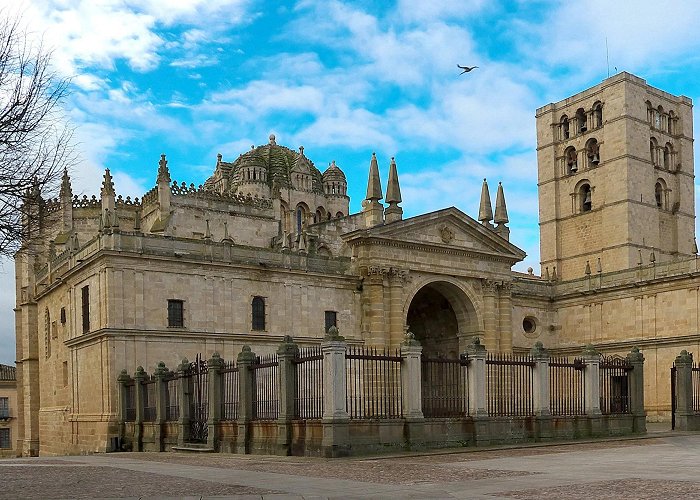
{"x": 442, "y": 317}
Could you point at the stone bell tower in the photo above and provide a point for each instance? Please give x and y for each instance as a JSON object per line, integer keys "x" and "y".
{"x": 615, "y": 178}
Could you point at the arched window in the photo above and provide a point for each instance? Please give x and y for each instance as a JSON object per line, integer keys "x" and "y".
{"x": 650, "y": 112}
{"x": 671, "y": 124}
{"x": 564, "y": 126}
{"x": 660, "y": 194}
{"x": 338, "y": 215}
{"x": 653, "y": 148}
{"x": 597, "y": 115}
{"x": 570, "y": 159}
{"x": 300, "y": 218}
{"x": 585, "y": 199}
{"x": 581, "y": 120}
{"x": 658, "y": 116}
{"x": 258, "y": 312}
{"x": 593, "y": 152}
{"x": 667, "y": 155}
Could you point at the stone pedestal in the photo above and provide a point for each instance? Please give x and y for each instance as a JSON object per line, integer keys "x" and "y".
{"x": 335, "y": 442}
{"x": 287, "y": 352}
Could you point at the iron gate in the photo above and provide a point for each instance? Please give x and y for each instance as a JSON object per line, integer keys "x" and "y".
{"x": 673, "y": 397}
{"x": 196, "y": 377}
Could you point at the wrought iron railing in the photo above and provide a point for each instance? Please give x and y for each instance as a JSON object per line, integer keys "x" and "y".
{"x": 229, "y": 389}
{"x": 444, "y": 386}
{"x": 509, "y": 385}
{"x": 172, "y": 397}
{"x": 265, "y": 387}
{"x": 309, "y": 372}
{"x": 566, "y": 387}
{"x": 614, "y": 385}
{"x": 373, "y": 383}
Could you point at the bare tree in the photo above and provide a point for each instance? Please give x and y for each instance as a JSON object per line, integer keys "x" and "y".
{"x": 35, "y": 142}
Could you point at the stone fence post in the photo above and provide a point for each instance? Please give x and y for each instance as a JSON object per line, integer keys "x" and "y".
{"x": 184, "y": 396}
{"x": 684, "y": 391}
{"x": 139, "y": 378}
{"x": 245, "y": 360}
{"x": 636, "y": 379}
{"x": 476, "y": 373}
{"x": 124, "y": 379}
{"x": 591, "y": 388}
{"x": 335, "y": 440}
{"x": 412, "y": 405}
{"x": 161, "y": 403}
{"x": 214, "y": 366}
{"x": 287, "y": 352}
{"x": 541, "y": 394}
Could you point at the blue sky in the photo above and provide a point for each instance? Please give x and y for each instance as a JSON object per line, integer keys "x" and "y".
{"x": 192, "y": 78}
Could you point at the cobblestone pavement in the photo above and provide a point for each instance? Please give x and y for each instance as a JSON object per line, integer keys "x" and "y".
{"x": 655, "y": 468}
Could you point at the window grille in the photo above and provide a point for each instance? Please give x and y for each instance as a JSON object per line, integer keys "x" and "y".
{"x": 175, "y": 314}
{"x": 85, "y": 291}
{"x": 258, "y": 313}
{"x": 5, "y": 441}
{"x": 331, "y": 319}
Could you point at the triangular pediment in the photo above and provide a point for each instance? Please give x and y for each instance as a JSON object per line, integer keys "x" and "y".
{"x": 448, "y": 228}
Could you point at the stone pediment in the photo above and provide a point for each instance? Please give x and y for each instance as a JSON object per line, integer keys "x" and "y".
{"x": 449, "y": 228}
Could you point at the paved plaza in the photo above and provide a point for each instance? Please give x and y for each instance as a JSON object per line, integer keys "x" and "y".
{"x": 659, "y": 466}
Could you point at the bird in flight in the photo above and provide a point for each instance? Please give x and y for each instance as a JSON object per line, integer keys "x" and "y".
{"x": 466, "y": 69}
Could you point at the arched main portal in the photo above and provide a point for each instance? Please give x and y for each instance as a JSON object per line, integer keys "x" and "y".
{"x": 439, "y": 313}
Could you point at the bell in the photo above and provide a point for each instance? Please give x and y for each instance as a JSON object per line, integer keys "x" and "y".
{"x": 595, "y": 159}
{"x": 587, "y": 199}
{"x": 573, "y": 167}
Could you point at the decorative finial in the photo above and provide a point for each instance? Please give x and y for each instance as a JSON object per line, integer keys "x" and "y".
{"x": 393, "y": 191}
{"x": 501, "y": 214}
{"x": 107, "y": 184}
{"x": 163, "y": 172}
{"x": 301, "y": 150}
{"x": 66, "y": 191}
{"x": 272, "y": 139}
{"x": 374, "y": 186}
{"x": 485, "y": 210}
{"x": 218, "y": 157}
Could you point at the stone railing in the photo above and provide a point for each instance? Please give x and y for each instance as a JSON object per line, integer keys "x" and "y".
{"x": 86, "y": 202}
{"x": 240, "y": 199}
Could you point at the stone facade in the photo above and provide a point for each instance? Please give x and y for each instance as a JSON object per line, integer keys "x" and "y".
{"x": 267, "y": 248}
{"x": 8, "y": 411}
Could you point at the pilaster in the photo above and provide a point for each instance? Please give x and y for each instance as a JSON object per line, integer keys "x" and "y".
{"x": 287, "y": 352}
{"x": 636, "y": 377}
{"x": 335, "y": 442}
{"x": 489, "y": 289}
{"x": 245, "y": 360}
{"x": 214, "y": 366}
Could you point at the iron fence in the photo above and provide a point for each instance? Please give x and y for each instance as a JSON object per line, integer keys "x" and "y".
{"x": 265, "y": 387}
{"x": 229, "y": 389}
{"x": 172, "y": 397}
{"x": 509, "y": 385}
{"x": 308, "y": 403}
{"x": 444, "y": 386}
{"x": 614, "y": 385}
{"x": 149, "y": 399}
{"x": 695, "y": 374}
{"x": 196, "y": 377}
{"x": 373, "y": 383}
{"x": 566, "y": 387}
{"x": 130, "y": 393}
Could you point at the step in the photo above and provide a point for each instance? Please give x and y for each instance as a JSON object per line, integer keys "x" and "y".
{"x": 194, "y": 448}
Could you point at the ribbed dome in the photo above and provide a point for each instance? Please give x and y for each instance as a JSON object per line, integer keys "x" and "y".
{"x": 279, "y": 162}
{"x": 334, "y": 174}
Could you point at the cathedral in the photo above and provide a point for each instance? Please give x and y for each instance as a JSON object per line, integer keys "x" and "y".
{"x": 267, "y": 247}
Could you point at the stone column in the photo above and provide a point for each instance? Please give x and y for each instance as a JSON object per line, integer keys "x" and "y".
{"x": 490, "y": 312}
{"x": 161, "y": 402}
{"x": 245, "y": 399}
{"x": 541, "y": 395}
{"x": 591, "y": 388}
{"x": 287, "y": 352}
{"x": 412, "y": 405}
{"x": 184, "y": 396}
{"x": 505, "y": 320}
{"x": 636, "y": 378}
{"x": 335, "y": 442}
{"x": 139, "y": 378}
{"x": 374, "y": 287}
{"x": 476, "y": 370}
{"x": 685, "y": 420}
{"x": 123, "y": 380}
{"x": 214, "y": 366}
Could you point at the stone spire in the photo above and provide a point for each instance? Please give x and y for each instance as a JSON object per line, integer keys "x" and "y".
{"x": 393, "y": 195}
{"x": 163, "y": 172}
{"x": 66, "y": 190}
{"x": 373, "y": 210}
{"x": 374, "y": 185}
{"x": 107, "y": 192}
{"x": 501, "y": 214}
{"x": 66, "y": 196}
{"x": 485, "y": 211}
